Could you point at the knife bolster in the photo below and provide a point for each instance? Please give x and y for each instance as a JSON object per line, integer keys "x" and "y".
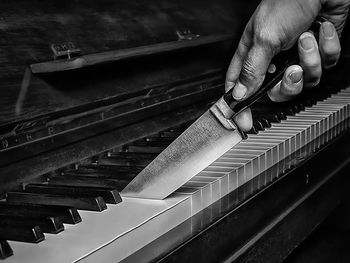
{"x": 223, "y": 113}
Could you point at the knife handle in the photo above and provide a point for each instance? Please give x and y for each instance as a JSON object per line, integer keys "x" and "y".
{"x": 281, "y": 61}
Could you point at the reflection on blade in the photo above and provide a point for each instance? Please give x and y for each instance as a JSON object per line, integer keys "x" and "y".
{"x": 201, "y": 144}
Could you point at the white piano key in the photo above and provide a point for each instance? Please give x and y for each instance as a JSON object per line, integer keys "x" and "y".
{"x": 222, "y": 177}
{"x": 214, "y": 183}
{"x": 205, "y": 188}
{"x": 108, "y": 236}
{"x": 195, "y": 195}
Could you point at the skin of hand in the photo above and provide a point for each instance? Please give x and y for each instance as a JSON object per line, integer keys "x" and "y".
{"x": 277, "y": 25}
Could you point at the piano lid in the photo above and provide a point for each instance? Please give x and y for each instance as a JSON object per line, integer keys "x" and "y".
{"x": 35, "y": 31}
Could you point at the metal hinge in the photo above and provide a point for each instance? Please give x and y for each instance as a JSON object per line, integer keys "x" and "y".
{"x": 65, "y": 50}
{"x": 186, "y": 35}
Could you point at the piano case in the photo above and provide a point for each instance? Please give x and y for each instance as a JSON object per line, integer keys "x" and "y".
{"x": 83, "y": 82}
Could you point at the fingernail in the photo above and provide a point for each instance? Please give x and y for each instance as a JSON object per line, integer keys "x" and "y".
{"x": 307, "y": 43}
{"x": 296, "y": 75}
{"x": 328, "y": 30}
{"x": 239, "y": 92}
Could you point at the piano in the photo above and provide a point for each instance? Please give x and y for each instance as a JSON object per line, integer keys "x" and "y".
{"x": 91, "y": 91}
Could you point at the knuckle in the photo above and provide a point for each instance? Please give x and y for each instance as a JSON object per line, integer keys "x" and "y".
{"x": 312, "y": 66}
{"x": 314, "y": 74}
{"x": 267, "y": 38}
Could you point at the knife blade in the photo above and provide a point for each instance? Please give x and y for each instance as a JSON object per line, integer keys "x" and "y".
{"x": 208, "y": 138}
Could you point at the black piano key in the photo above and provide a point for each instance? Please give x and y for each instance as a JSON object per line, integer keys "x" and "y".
{"x": 309, "y": 102}
{"x": 110, "y": 168}
{"x": 265, "y": 123}
{"x": 22, "y": 234}
{"x": 5, "y": 249}
{"x": 67, "y": 215}
{"x": 83, "y": 203}
{"x": 145, "y": 149}
{"x": 125, "y": 162}
{"x": 52, "y": 225}
{"x": 110, "y": 196}
{"x": 165, "y": 140}
{"x": 154, "y": 143}
{"x": 253, "y": 130}
{"x": 102, "y": 175}
{"x": 128, "y": 158}
{"x": 295, "y": 108}
{"x": 108, "y": 171}
{"x": 281, "y": 115}
{"x": 300, "y": 106}
{"x": 88, "y": 181}
{"x": 271, "y": 117}
{"x": 132, "y": 156}
{"x": 258, "y": 126}
{"x": 171, "y": 134}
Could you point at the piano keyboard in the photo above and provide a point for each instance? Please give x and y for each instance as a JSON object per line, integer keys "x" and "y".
{"x": 120, "y": 229}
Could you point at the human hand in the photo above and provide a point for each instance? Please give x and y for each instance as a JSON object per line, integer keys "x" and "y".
{"x": 277, "y": 25}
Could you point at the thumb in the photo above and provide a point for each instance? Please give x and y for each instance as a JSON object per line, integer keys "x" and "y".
{"x": 253, "y": 70}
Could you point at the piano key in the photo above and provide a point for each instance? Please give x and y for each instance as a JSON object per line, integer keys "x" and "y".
{"x": 265, "y": 123}
{"x": 170, "y": 134}
{"x": 5, "y": 249}
{"x": 145, "y": 149}
{"x": 223, "y": 181}
{"x": 109, "y": 168}
{"x": 195, "y": 195}
{"x": 259, "y": 126}
{"x": 110, "y": 196}
{"x": 151, "y": 144}
{"x": 229, "y": 180}
{"x": 52, "y": 225}
{"x": 87, "y": 181}
{"x": 67, "y": 215}
{"x": 253, "y": 130}
{"x": 214, "y": 183}
{"x": 125, "y": 161}
{"x": 104, "y": 173}
{"x": 131, "y": 155}
{"x": 206, "y": 192}
{"x": 22, "y": 234}
{"x": 257, "y": 159}
{"x": 159, "y": 138}
{"x": 83, "y": 203}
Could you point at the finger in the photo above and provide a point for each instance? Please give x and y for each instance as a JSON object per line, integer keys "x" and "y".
{"x": 235, "y": 66}
{"x": 244, "y": 120}
{"x": 290, "y": 86}
{"x": 253, "y": 71}
{"x": 329, "y": 45}
{"x": 310, "y": 59}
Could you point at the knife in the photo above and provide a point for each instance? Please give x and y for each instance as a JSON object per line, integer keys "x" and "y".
{"x": 208, "y": 138}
